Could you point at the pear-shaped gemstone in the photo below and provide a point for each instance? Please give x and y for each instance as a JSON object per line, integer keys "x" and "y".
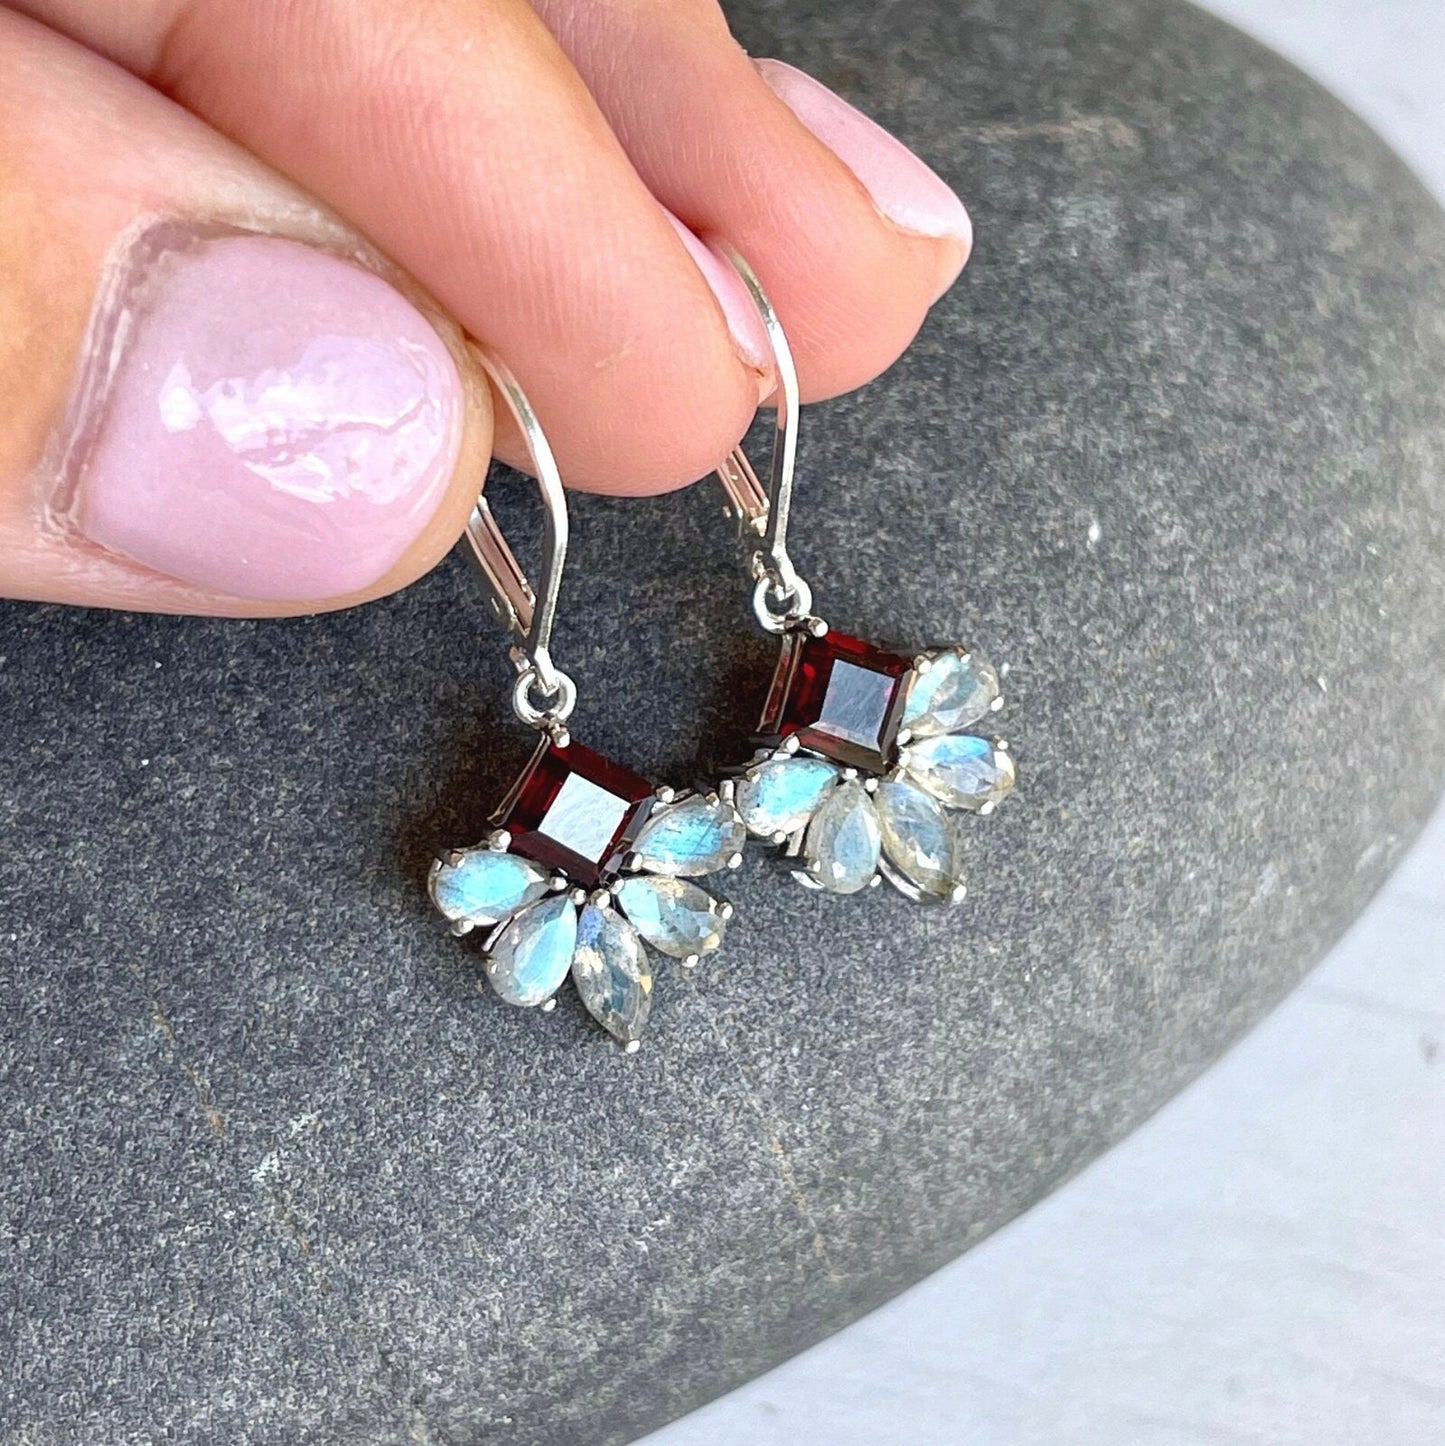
{"x": 699, "y": 835}
{"x": 782, "y": 794}
{"x": 672, "y": 915}
{"x": 955, "y": 690}
{"x": 484, "y": 886}
{"x": 611, "y": 972}
{"x": 842, "y": 844}
{"x": 529, "y": 962}
{"x": 960, "y": 770}
{"x": 918, "y": 840}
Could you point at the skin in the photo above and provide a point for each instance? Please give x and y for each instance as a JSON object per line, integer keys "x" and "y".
{"x": 401, "y": 130}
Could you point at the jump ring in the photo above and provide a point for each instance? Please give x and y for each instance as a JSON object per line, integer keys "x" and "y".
{"x": 555, "y": 707}
{"x": 797, "y": 603}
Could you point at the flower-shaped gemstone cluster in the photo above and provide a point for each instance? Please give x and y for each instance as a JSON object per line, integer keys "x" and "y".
{"x": 863, "y": 755}
{"x": 588, "y": 862}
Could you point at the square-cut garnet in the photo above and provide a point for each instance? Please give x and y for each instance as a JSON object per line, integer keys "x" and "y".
{"x": 575, "y": 811}
{"x": 842, "y": 697}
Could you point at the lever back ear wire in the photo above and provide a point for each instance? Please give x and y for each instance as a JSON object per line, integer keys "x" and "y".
{"x": 860, "y": 751}
{"x": 586, "y": 860}
{"x": 781, "y": 598}
{"x": 543, "y": 696}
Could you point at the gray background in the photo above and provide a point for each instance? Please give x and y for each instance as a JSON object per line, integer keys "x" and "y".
{"x": 1264, "y": 1261}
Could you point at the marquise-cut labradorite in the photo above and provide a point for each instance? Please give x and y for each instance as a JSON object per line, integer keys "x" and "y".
{"x": 960, "y": 770}
{"x": 918, "y": 840}
{"x": 843, "y": 841}
{"x": 697, "y": 836}
{"x": 673, "y": 915}
{"x": 955, "y": 690}
{"x": 781, "y": 795}
{"x": 611, "y": 972}
{"x": 529, "y": 962}
{"x": 485, "y": 886}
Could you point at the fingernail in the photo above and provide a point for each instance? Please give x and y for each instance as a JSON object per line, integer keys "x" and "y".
{"x": 749, "y": 334}
{"x": 906, "y": 191}
{"x": 260, "y": 417}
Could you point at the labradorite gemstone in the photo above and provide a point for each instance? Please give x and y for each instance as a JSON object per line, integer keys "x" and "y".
{"x": 781, "y": 795}
{"x": 960, "y": 770}
{"x": 918, "y": 839}
{"x": 843, "y": 841}
{"x": 672, "y": 915}
{"x": 687, "y": 839}
{"x": 484, "y": 886}
{"x": 529, "y": 962}
{"x": 610, "y": 970}
{"x": 955, "y": 690}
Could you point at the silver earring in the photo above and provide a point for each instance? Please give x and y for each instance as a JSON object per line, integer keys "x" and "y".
{"x": 863, "y": 754}
{"x": 586, "y": 862}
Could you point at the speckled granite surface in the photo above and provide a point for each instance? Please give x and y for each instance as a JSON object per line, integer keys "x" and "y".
{"x": 276, "y": 1171}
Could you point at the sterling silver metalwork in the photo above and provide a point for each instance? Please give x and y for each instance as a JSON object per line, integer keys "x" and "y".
{"x": 587, "y": 866}
{"x": 860, "y": 750}
{"x": 544, "y": 697}
{"x": 780, "y": 596}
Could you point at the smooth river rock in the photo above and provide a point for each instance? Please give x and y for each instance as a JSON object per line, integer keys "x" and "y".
{"x": 278, "y": 1167}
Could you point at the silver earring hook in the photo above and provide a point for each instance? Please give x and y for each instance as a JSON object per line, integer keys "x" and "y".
{"x": 781, "y": 597}
{"x": 544, "y": 696}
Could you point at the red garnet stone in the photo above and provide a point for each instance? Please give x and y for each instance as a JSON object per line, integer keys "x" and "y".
{"x": 840, "y": 696}
{"x": 575, "y": 811}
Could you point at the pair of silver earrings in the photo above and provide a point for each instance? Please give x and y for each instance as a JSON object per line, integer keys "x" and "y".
{"x": 862, "y": 755}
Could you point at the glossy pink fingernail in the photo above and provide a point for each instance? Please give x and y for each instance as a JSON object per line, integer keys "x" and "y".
{"x": 261, "y": 418}
{"x": 904, "y": 189}
{"x": 740, "y": 312}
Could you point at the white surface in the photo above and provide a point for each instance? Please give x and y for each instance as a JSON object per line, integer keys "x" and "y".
{"x": 1263, "y": 1264}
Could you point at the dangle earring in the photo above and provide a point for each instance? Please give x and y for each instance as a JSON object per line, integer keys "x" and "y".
{"x": 862, "y": 753}
{"x": 586, "y": 861}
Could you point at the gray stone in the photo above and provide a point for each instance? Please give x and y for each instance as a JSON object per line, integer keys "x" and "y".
{"x": 280, "y": 1169}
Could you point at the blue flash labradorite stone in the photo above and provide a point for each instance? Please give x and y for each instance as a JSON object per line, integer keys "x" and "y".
{"x": 611, "y": 972}
{"x": 485, "y": 886}
{"x": 531, "y": 959}
{"x": 781, "y": 795}
{"x": 672, "y": 915}
{"x": 955, "y": 690}
{"x": 687, "y": 839}
{"x": 960, "y": 770}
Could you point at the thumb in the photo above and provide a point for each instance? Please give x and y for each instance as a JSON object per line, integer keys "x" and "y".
{"x": 218, "y": 398}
